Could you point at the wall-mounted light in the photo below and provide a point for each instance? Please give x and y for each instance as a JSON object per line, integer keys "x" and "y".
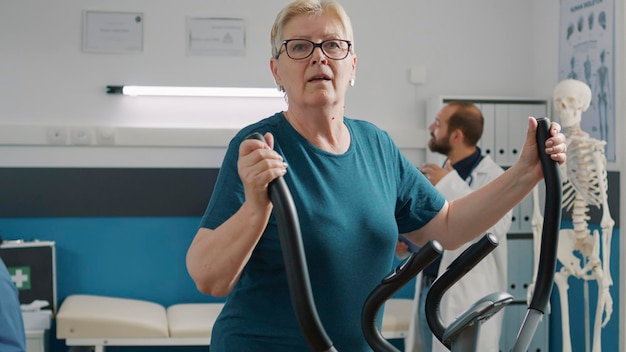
{"x": 195, "y": 91}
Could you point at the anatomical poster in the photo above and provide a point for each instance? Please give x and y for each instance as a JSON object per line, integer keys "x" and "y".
{"x": 587, "y": 53}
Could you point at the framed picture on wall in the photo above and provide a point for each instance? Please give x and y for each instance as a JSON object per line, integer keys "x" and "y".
{"x": 112, "y": 32}
{"x": 587, "y": 53}
{"x": 216, "y": 36}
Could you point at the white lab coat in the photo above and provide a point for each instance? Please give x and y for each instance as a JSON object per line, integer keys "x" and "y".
{"x": 489, "y": 275}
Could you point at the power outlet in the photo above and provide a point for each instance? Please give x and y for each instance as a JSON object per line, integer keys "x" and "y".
{"x": 418, "y": 75}
{"x": 56, "y": 135}
{"x": 80, "y": 135}
{"x": 105, "y": 135}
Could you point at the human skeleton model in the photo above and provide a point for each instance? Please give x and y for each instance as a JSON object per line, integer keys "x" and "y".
{"x": 584, "y": 183}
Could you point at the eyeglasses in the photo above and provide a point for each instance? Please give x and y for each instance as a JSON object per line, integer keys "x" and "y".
{"x": 300, "y": 49}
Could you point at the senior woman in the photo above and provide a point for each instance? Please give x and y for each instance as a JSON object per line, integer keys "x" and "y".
{"x": 353, "y": 189}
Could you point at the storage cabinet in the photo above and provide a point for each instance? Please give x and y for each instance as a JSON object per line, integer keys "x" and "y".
{"x": 37, "y": 340}
{"x": 520, "y": 269}
{"x": 520, "y": 276}
{"x": 505, "y": 127}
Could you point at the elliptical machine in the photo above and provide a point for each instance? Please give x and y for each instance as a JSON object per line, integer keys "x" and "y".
{"x": 298, "y": 276}
{"x": 462, "y": 333}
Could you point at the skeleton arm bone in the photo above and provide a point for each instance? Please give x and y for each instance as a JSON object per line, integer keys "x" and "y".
{"x": 606, "y": 223}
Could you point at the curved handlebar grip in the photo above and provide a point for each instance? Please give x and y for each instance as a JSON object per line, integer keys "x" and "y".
{"x": 549, "y": 242}
{"x": 388, "y": 286}
{"x": 295, "y": 263}
{"x": 551, "y": 223}
{"x": 465, "y": 262}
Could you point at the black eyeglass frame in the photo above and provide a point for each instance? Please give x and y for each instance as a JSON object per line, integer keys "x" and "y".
{"x": 318, "y": 45}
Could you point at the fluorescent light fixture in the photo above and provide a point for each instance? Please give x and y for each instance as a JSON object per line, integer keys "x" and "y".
{"x": 196, "y": 91}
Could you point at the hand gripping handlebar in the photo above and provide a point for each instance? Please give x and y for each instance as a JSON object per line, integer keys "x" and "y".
{"x": 549, "y": 241}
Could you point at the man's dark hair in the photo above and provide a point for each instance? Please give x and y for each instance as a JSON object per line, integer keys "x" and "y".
{"x": 468, "y": 118}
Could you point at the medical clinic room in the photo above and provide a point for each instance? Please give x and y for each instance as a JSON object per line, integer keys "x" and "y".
{"x": 312, "y": 175}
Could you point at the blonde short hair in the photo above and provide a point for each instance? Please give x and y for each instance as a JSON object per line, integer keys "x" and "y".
{"x": 308, "y": 7}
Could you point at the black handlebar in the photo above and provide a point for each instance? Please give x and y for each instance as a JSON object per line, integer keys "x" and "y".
{"x": 465, "y": 262}
{"x": 549, "y": 241}
{"x": 295, "y": 263}
{"x": 388, "y": 286}
{"x": 551, "y": 223}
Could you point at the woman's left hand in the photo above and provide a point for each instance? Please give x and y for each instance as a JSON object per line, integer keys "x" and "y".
{"x": 554, "y": 146}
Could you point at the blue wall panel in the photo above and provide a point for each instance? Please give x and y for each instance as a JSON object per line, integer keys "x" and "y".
{"x": 141, "y": 258}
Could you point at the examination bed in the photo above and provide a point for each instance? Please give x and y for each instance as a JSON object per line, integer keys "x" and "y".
{"x": 100, "y": 321}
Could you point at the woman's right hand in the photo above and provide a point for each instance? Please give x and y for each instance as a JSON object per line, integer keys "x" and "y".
{"x": 402, "y": 249}
{"x": 258, "y": 165}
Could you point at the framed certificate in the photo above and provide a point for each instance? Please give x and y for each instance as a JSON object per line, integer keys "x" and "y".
{"x": 216, "y": 36}
{"x": 112, "y": 32}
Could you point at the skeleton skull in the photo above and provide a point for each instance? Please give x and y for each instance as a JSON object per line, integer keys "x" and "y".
{"x": 571, "y": 98}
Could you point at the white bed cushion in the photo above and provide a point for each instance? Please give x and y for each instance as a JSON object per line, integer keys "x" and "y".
{"x": 397, "y": 316}
{"x": 90, "y": 316}
{"x": 192, "y": 319}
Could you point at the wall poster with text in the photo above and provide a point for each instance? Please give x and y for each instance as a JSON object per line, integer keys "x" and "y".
{"x": 587, "y": 53}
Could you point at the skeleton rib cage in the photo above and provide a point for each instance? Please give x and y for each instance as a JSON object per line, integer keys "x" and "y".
{"x": 581, "y": 174}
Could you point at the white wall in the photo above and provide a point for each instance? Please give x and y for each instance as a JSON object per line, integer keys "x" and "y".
{"x": 544, "y": 28}
{"x": 483, "y": 47}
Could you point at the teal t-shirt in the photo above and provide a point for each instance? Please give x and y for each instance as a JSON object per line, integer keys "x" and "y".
{"x": 351, "y": 208}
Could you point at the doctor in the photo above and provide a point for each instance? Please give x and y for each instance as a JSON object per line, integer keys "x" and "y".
{"x": 455, "y": 134}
